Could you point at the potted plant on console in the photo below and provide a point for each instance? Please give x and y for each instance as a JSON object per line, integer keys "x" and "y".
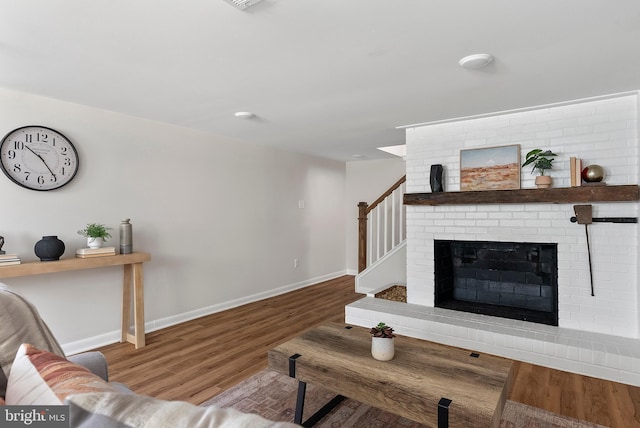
{"x": 96, "y": 234}
{"x": 382, "y": 342}
{"x": 541, "y": 161}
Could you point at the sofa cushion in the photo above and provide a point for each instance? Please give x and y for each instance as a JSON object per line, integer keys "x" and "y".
{"x": 20, "y": 323}
{"x": 116, "y": 410}
{"x": 39, "y": 377}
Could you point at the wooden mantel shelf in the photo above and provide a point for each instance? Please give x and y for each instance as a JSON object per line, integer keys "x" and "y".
{"x": 559, "y": 195}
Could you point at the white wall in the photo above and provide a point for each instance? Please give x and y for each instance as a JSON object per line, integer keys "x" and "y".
{"x": 603, "y": 131}
{"x": 220, "y": 218}
{"x": 366, "y": 181}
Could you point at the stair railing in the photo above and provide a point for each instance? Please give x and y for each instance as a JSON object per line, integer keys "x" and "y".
{"x": 387, "y": 227}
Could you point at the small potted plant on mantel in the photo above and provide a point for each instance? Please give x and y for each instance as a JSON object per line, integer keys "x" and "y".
{"x": 382, "y": 342}
{"x": 541, "y": 161}
{"x": 96, "y": 234}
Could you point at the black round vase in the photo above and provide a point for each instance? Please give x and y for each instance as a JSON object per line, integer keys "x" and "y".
{"x": 49, "y": 248}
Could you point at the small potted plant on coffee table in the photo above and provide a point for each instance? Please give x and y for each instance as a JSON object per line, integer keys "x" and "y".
{"x": 382, "y": 342}
{"x": 541, "y": 160}
{"x": 96, "y": 234}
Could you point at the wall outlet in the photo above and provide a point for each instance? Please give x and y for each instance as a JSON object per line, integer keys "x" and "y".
{"x": 296, "y": 263}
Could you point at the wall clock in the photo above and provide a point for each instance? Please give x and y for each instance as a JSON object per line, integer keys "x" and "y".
{"x": 38, "y": 158}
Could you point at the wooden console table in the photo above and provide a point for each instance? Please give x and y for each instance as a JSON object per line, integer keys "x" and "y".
{"x": 433, "y": 384}
{"x": 132, "y": 283}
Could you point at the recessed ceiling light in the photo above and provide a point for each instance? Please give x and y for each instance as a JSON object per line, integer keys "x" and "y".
{"x": 357, "y": 156}
{"x": 475, "y": 61}
{"x": 244, "y": 115}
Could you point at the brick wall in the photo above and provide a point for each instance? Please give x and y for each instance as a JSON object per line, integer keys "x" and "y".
{"x": 602, "y": 131}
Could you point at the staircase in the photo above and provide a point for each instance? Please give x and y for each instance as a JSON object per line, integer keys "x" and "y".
{"x": 382, "y": 256}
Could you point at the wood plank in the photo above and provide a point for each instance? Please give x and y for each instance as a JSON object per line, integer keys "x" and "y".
{"x": 222, "y": 349}
{"x": 558, "y": 195}
{"x": 411, "y": 385}
{"x": 595, "y": 400}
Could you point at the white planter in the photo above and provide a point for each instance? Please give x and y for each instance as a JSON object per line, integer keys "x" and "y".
{"x": 94, "y": 242}
{"x": 382, "y": 348}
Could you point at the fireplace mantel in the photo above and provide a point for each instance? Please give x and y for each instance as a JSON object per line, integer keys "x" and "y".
{"x": 560, "y": 195}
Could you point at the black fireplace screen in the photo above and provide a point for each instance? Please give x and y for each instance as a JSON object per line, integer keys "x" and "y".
{"x": 506, "y": 279}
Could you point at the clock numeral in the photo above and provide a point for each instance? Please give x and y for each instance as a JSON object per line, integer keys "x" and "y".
{"x": 53, "y": 178}
{"x": 17, "y": 168}
{"x": 28, "y": 138}
{"x": 27, "y": 174}
{"x": 43, "y": 137}
{"x": 63, "y": 151}
{"x": 11, "y": 154}
{"x": 67, "y": 161}
{"x": 18, "y": 145}
{"x": 40, "y": 179}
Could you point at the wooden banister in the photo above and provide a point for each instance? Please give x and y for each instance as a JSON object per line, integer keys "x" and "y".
{"x": 386, "y": 194}
{"x": 363, "y": 211}
{"x": 362, "y": 236}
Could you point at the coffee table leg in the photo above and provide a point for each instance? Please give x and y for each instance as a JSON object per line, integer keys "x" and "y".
{"x": 302, "y": 388}
{"x": 443, "y": 412}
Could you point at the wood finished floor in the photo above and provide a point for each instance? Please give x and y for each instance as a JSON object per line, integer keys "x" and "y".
{"x": 197, "y": 360}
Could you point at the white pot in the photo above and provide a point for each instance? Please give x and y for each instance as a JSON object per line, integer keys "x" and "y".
{"x": 94, "y": 242}
{"x": 382, "y": 348}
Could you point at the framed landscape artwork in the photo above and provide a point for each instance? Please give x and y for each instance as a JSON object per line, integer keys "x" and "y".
{"x": 491, "y": 168}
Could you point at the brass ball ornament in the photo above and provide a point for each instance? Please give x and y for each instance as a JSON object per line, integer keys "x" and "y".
{"x": 593, "y": 173}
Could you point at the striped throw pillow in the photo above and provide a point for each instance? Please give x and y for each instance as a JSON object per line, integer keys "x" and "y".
{"x": 42, "y": 378}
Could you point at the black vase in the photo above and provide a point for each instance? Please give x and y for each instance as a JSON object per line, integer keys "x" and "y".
{"x": 49, "y": 248}
{"x": 436, "y": 178}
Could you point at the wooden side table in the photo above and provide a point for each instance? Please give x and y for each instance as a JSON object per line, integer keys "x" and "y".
{"x": 132, "y": 284}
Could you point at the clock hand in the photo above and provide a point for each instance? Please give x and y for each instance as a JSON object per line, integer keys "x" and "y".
{"x": 43, "y": 161}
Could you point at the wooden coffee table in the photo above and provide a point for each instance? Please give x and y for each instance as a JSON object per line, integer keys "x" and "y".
{"x": 425, "y": 382}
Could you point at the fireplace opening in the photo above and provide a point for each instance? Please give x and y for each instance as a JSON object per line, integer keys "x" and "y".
{"x": 513, "y": 280}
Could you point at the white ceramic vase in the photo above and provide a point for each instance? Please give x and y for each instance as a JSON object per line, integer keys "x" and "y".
{"x": 94, "y": 242}
{"x": 382, "y": 348}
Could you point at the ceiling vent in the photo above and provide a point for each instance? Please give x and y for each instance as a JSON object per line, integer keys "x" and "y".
{"x": 242, "y": 4}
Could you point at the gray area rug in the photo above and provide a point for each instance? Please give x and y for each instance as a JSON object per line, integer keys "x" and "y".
{"x": 273, "y": 396}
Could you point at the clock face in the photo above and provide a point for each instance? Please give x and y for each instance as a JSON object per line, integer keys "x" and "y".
{"x": 38, "y": 158}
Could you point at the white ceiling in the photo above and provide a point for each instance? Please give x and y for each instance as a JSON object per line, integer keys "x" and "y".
{"x": 331, "y": 78}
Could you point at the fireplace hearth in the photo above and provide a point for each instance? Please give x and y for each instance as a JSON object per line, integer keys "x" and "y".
{"x": 513, "y": 280}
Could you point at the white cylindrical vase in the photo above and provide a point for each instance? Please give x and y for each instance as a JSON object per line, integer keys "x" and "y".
{"x": 382, "y": 348}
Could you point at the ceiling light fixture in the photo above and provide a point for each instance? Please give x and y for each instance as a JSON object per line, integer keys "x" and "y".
{"x": 475, "y": 61}
{"x": 244, "y": 115}
{"x": 242, "y": 4}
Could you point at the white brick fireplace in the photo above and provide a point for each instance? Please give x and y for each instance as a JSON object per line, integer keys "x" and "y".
{"x": 596, "y": 335}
